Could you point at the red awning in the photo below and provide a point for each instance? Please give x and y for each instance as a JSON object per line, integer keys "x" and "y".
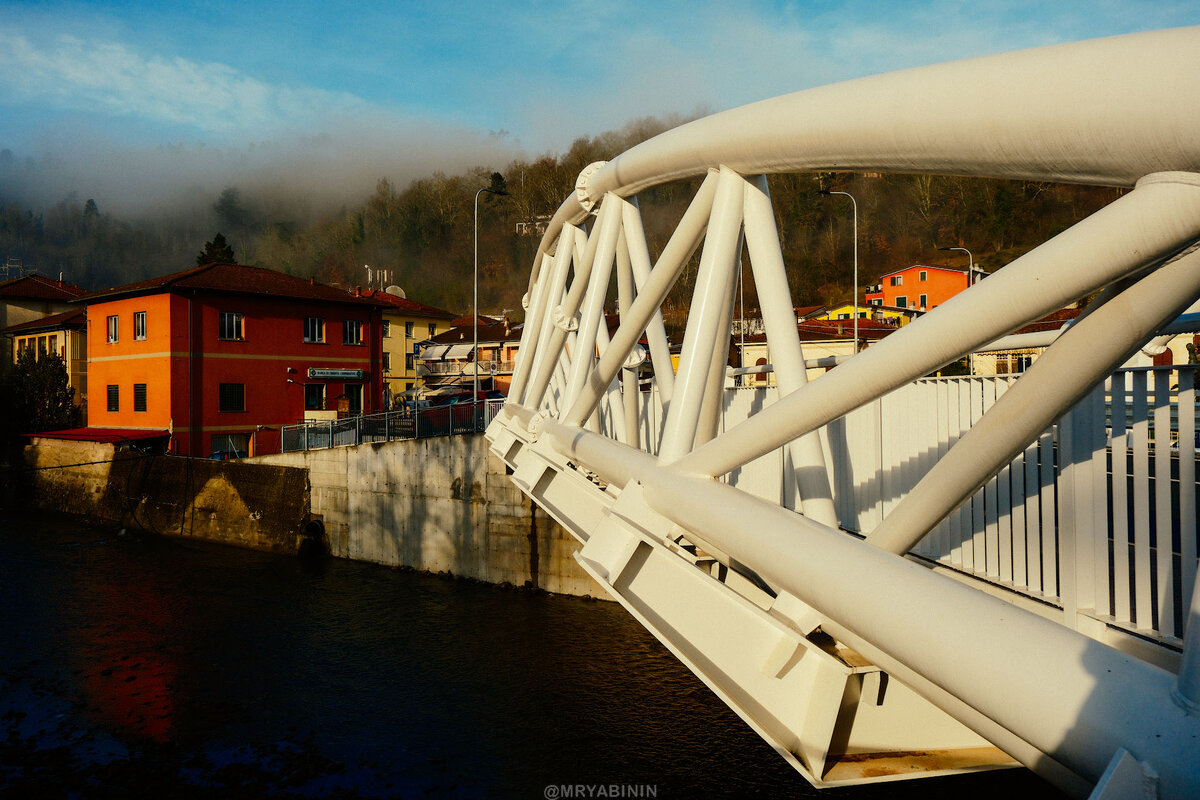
{"x": 102, "y": 435}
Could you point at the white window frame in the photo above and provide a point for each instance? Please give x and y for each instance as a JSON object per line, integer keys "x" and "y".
{"x": 314, "y": 330}
{"x": 139, "y": 326}
{"x": 114, "y": 329}
{"x": 235, "y": 320}
{"x": 352, "y": 331}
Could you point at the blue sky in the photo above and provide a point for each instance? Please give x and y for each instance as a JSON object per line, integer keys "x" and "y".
{"x": 109, "y": 92}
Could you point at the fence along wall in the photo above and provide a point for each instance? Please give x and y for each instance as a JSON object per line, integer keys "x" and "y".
{"x": 1042, "y": 526}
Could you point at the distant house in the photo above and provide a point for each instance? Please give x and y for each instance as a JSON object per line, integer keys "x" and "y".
{"x": 918, "y": 287}
{"x": 405, "y": 323}
{"x": 1017, "y": 360}
{"x": 820, "y": 339}
{"x": 872, "y": 312}
{"x": 65, "y": 335}
{"x": 447, "y": 362}
{"x": 33, "y": 297}
{"x": 220, "y": 356}
{"x": 753, "y": 325}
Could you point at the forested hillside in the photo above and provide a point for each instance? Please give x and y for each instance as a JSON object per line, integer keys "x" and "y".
{"x": 422, "y": 233}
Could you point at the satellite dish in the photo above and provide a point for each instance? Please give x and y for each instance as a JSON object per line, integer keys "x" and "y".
{"x": 397, "y": 291}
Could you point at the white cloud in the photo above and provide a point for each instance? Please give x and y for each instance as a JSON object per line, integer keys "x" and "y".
{"x": 77, "y": 74}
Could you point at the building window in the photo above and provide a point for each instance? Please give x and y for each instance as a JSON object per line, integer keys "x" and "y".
{"x": 139, "y": 397}
{"x": 387, "y": 362}
{"x": 876, "y": 301}
{"x": 408, "y": 329}
{"x": 231, "y": 445}
{"x": 432, "y": 329}
{"x": 314, "y": 329}
{"x": 314, "y": 397}
{"x": 139, "y": 325}
{"x": 114, "y": 398}
{"x": 922, "y": 275}
{"x": 352, "y": 332}
{"x": 924, "y": 300}
{"x": 901, "y": 301}
{"x": 896, "y": 280}
{"x": 112, "y": 329}
{"x": 231, "y": 326}
{"x": 231, "y": 397}
{"x": 387, "y": 329}
{"x": 353, "y": 394}
{"x": 408, "y": 361}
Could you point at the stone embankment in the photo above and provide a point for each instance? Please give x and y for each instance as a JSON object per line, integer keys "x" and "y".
{"x": 255, "y": 506}
{"x": 441, "y": 504}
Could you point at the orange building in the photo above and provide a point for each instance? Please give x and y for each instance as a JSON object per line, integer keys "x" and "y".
{"x": 221, "y": 356}
{"x": 917, "y": 287}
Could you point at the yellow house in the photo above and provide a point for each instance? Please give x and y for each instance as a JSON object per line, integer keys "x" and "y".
{"x": 872, "y": 312}
{"x": 405, "y": 322}
{"x": 62, "y": 334}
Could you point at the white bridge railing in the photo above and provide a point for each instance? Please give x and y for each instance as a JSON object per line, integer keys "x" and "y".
{"x": 1086, "y": 484}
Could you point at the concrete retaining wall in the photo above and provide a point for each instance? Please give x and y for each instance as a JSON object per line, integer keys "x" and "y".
{"x": 259, "y": 506}
{"x": 443, "y": 504}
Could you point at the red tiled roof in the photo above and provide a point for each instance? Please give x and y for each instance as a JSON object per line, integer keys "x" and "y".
{"x": 807, "y": 311}
{"x": 819, "y": 330}
{"x": 68, "y": 319}
{"x": 461, "y": 322}
{"x": 407, "y": 306}
{"x": 234, "y": 278}
{"x": 39, "y": 287}
{"x": 102, "y": 435}
{"x": 1052, "y": 321}
{"x": 487, "y": 333}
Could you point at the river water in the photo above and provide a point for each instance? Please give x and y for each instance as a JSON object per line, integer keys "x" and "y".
{"x": 133, "y": 666}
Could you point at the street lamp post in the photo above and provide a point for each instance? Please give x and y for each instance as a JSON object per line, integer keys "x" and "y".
{"x": 970, "y": 263}
{"x": 475, "y": 293}
{"x": 854, "y": 203}
{"x": 970, "y": 283}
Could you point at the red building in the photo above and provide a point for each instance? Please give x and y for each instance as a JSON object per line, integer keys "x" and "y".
{"x": 221, "y": 356}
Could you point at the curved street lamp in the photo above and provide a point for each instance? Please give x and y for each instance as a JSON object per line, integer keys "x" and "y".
{"x": 970, "y": 263}
{"x": 855, "y": 204}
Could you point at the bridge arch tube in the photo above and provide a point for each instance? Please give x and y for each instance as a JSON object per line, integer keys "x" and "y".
{"x": 1152, "y": 223}
{"x": 550, "y": 288}
{"x": 670, "y": 263}
{"x": 1106, "y": 111}
{"x": 1091, "y": 349}
{"x": 712, "y": 294}
{"x": 656, "y": 332}
{"x": 564, "y": 313}
{"x": 783, "y": 339}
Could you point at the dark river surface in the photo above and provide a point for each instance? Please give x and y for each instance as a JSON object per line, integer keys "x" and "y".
{"x": 138, "y": 667}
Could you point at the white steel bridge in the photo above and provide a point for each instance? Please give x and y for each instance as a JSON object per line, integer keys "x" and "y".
{"x": 885, "y": 575}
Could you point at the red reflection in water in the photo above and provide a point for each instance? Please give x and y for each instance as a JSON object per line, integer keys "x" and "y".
{"x": 128, "y": 674}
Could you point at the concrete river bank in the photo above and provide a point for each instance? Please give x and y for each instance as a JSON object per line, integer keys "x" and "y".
{"x": 139, "y": 666}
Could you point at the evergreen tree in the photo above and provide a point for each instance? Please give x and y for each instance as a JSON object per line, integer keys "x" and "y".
{"x": 217, "y": 251}
{"x": 39, "y": 394}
